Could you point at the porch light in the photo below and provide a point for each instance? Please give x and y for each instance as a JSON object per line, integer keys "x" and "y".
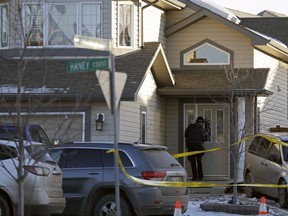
{"x": 99, "y": 121}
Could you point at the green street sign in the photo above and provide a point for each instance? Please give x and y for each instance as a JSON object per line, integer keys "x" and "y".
{"x": 87, "y": 65}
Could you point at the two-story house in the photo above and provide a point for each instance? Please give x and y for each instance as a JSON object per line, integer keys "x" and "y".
{"x": 183, "y": 58}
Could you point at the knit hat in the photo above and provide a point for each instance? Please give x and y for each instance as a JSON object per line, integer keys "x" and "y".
{"x": 200, "y": 119}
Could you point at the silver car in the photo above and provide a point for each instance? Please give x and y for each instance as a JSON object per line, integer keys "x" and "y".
{"x": 266, "y": 162}
{"x": 43, "y": 194}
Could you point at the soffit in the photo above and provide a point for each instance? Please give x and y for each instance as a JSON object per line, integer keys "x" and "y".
{"x": 238, "y": 81}
{"x": 167, "y": 4}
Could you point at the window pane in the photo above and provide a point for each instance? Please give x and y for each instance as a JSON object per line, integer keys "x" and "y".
{"x": 91, "y": 20}
{"x": 83, "y": 158}
{"x": 4, "y": 25}
{"x": 33, "y": 24}
{"x": 108, "y": 159}
{"x": 125, "y": 12}
{"x": 143, "y": 127}
{"x": 207, "y": 54}
{"x": 62, "y": 23}
{"x": 207, "y": 125}
{"x": 220, "y": 126}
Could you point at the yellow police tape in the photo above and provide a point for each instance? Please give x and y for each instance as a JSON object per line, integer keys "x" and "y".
{"x": 195, "y": 183}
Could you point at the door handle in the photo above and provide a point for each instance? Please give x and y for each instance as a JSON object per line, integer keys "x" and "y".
{"x": 263, "y": 163}
{"x": 94, "y": 173}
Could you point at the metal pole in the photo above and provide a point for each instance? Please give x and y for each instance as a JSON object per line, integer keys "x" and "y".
{"x": 114, "y": 113}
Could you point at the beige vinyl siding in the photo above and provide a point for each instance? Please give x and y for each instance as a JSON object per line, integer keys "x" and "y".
{"x": 156, "y": 111}
{"x": 216, "y": 32}
{"x": 154, "y": 25}
{"x": 156, "y": 115}
{"x": 129, "y": 121}
{"x": 173, "y": 124}
{"x": 273, "y": 109}
{"x": 176, "y": 16}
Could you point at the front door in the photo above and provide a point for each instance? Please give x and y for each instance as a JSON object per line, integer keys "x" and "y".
{"x": 215, "y": 164}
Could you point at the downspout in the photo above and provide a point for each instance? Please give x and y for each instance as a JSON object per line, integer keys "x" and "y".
{"x": 256, "y": 121}
{"x": 142, "y": 10}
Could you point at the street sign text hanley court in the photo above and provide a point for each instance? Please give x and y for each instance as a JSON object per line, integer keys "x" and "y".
{"x": 87, "y": 65}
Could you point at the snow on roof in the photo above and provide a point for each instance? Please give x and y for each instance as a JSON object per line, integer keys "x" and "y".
{"x": 218, "y": 9}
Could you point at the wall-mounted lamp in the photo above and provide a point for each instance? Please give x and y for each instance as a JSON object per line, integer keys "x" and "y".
{"x": 279, "y": 89}
{"x": 99, "y": 121}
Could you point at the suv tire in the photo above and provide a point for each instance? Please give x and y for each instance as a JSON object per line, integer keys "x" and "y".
{"x": 106, "y": 206}
{"x": 249, "y": 190}
{"x": 4, "y": 207}
{"x": 283, "y": 196}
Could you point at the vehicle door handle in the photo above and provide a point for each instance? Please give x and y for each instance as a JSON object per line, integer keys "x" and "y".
{"x": 265, "y": 164}
{"x": 94, "y": 173}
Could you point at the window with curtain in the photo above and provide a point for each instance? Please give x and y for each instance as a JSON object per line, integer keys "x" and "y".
{"x": 125, "y": 24}
{"x": 33, "y": 24}
{"x": 57, "y": 24}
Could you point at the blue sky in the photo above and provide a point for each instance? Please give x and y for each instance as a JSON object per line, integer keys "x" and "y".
{"x": 255, "y": 6}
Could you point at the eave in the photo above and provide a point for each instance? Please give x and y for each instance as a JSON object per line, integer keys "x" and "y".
{"x": 167, "y": 4}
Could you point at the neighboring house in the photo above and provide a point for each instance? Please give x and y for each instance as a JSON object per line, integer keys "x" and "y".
{"x": 183, "y": 59}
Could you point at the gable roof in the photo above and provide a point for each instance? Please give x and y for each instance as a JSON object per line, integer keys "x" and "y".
{"x": 237, "y": 82}
{"x": 47, "y": 78}
{"x": 260, "y": 41}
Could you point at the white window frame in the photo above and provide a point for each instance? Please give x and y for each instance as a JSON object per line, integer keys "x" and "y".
{"x": 132, "y": 24}
{"x": 4, "y": 36}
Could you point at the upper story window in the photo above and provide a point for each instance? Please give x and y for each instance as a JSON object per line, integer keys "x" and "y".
{"x": 206, "y": 53}
{"x": 4, "y": 25}
{"x": 125, "y": 24}
{"x": 56, "y": 24}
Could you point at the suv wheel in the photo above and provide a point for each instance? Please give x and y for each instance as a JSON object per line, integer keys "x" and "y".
{"x": 249, "y": 191}
{"x": 283, "y": 196}
{"x": 4, "y": 207}
{"x": 106, "y": 206}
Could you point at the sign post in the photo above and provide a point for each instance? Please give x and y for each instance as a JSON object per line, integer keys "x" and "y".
{"x": 105, "y": 45}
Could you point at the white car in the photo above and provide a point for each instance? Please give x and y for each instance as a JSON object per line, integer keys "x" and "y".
{"x": 43, "y": 194}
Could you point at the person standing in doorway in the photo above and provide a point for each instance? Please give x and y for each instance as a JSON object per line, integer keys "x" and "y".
{"x": 195, "y": 136}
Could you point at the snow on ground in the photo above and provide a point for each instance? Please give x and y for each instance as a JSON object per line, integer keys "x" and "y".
{"x": 196, "y": 199}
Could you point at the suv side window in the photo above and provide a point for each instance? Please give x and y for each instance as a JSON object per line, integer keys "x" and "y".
{"x": 108, "y": 159}
{"x": 7, "y": 152}
{"x": 274, "y": 153}
{"x": 77, "y": 158}
{"x": 254, "y": 144}
{"x": 263, "y": 148}
{"x": 38, "y": 135}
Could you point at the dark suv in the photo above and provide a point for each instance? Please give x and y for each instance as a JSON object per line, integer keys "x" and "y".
{"x": 89, "y": 182}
